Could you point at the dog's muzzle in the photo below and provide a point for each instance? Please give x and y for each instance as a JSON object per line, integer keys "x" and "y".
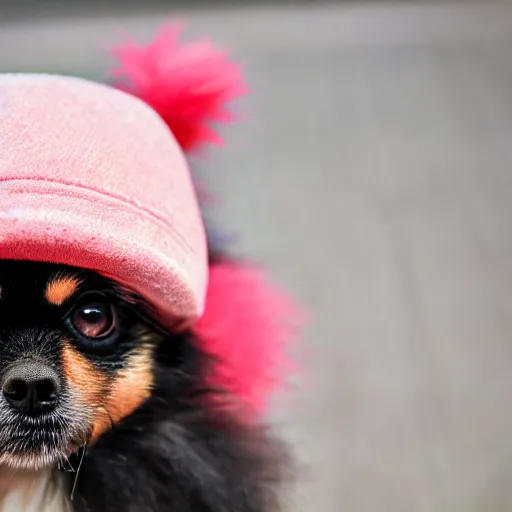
{"x": 31, "y": 388}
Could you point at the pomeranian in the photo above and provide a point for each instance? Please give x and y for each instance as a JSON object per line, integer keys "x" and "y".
{"x": 126, "y": 387}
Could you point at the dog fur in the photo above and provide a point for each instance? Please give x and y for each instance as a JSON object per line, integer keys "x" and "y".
{"x": 147, "y": 433}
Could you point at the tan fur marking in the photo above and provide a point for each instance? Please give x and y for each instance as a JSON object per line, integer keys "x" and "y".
{"x": 88, "y": 382}
{"x": 131, "y": 387}
{"x": 60, "y": 288}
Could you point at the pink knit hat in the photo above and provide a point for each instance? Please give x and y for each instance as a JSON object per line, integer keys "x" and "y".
{"x": 93, "y": 177}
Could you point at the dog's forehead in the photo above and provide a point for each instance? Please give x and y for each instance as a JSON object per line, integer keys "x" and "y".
{"x": 49, "y": 284}
{"x": 61, "y": 286}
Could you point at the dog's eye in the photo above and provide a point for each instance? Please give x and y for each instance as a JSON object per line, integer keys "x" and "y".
{"x": 94, "y": 317}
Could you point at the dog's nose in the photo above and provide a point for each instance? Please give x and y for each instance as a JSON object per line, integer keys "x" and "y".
{"x": 31, "y": 388}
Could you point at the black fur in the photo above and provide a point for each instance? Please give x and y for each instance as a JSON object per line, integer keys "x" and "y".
{"x": 182, "y": 450}
{"x": 178, "y": 454}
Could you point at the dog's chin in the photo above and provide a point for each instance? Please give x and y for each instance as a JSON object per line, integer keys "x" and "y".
{"x": 34, "y": 453}
{"x": 35, "y": 461}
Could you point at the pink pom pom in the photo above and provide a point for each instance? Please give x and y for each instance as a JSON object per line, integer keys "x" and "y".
{"x": 188, "y": 84}
{"x": 247, "y": 326}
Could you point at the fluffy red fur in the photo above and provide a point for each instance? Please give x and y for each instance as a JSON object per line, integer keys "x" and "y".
{"x": 247, "y": 325}
{"x": 188, "y": 84}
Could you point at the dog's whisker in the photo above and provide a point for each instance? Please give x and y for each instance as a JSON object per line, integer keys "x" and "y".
{"x": 83, "y": 450}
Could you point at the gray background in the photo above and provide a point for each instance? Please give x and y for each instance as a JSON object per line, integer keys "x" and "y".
{"x": 373, "y": 176}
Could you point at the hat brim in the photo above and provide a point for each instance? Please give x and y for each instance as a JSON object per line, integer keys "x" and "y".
{"x": 59, "y": 223}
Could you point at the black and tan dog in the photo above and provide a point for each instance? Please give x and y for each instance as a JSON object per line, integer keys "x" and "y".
{"x": 91, "y": 384}
{"x": 113, "y": 400}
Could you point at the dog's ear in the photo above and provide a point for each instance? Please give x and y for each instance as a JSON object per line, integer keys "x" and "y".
{"x": 247, "y": 327}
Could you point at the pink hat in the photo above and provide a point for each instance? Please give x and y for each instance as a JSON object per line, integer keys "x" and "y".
{"x": 92, "y": 176}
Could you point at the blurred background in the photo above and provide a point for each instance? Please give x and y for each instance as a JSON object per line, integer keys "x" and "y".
{"x": 373, "y": 175}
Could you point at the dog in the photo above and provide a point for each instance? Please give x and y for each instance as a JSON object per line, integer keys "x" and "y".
{"x": 104, "y": 409}
{"x": 136, "y": 357}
